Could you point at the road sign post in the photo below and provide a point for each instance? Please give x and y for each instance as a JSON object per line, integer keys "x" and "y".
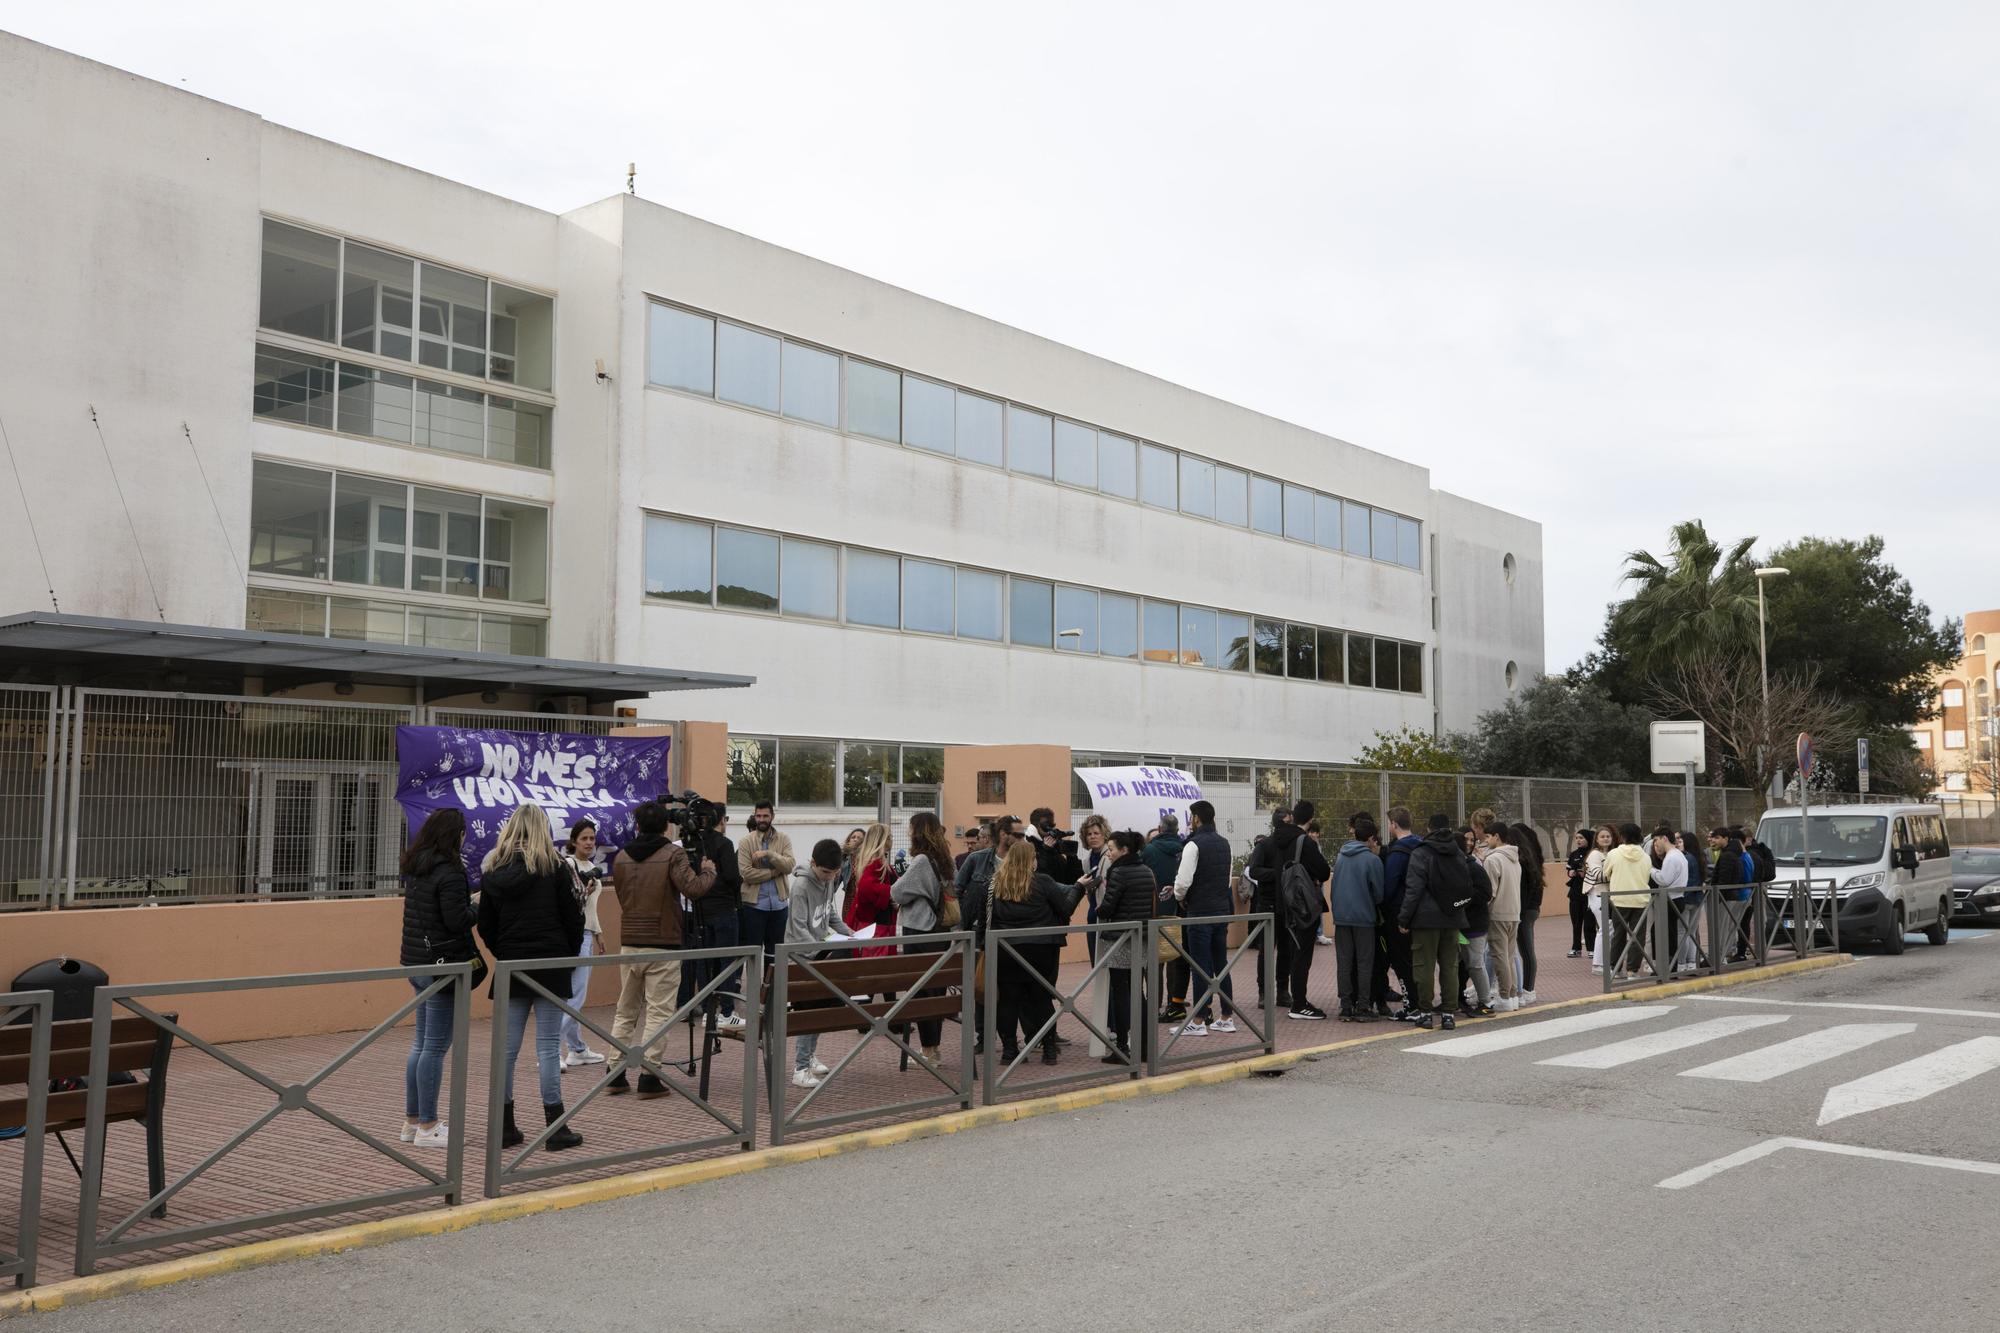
{"x": 1861, "y": 763}
{"x": 1802, "y": 906}
{"x": 1681, "y": 747}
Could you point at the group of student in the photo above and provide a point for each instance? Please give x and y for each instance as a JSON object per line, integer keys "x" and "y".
{"x": 1615, "y": 870}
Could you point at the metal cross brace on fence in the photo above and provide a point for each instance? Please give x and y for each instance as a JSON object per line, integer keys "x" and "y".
{"x": 1206, "y": 985}
{"x": 1115, "y": 939}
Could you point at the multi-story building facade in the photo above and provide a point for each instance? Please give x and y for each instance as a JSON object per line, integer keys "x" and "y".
{"x": 257, "y": 379}
{"x": 1958, "y": 742}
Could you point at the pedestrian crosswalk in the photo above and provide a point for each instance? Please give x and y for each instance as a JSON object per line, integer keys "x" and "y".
{"x": 1911, "y": 1080}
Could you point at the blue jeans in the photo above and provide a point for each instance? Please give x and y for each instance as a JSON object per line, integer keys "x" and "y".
{"x": 423, "y": 1071}
{"x": 579, "y": 991}
{"x": 1208, "y": 947}
{"x": 717, "y": 934}
{"x": 548, "y": 1041}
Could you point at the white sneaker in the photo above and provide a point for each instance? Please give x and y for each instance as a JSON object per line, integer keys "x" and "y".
{"x": 1504, "y": 1005}
{"x": 1194, "y": 1027}
{"x": 586, "y": 1056}
{"x": 730, "y": 1021}
{"x": 1529, "y": 997}
{"x": 1324, "y": 940}
{"x": 437, "y": 1136}
{"x": 805, "y": 1078}
{"x": 819, "y": 1069}
{"x": 1222, "y": 1025}
{"x": 409, "y": 1134}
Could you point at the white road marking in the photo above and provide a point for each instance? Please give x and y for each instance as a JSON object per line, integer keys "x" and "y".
{"x": 1913, "y": 1080}
{"x": 1836, "y": 1004}
{"x": 1633, "y": 1049}
{"x": 1709, "y": 1170}
{"x": 1788, "y": 1057}
{"x": 1507, "y": 1038}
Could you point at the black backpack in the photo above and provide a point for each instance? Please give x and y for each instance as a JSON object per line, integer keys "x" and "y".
{"x": 1299, "y": 900}
{"x": 1450, "y": 883}
{"x": 1762, "y": 862}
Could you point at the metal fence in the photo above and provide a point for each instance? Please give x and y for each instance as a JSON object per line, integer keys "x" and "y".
{"x": 1006, "y": 966}
{"x": 1215, "y": 987}
{"x": 93, "y": 1247}
{"x": 25, "y": 1017}
{"x": 30, "y": 723}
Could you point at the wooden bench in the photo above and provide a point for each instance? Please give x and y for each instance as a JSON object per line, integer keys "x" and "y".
{"x": 138, "y": 1045}
{"x": 814, "y": 1007}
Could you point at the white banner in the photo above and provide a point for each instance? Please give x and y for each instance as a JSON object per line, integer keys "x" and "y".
{"x": 1136, "y": 797}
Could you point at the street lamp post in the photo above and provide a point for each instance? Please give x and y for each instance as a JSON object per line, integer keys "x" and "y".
{"x": 1763, "y": 657}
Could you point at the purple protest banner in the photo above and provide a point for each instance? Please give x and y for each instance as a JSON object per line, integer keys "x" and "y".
{"x": 486, "y": 774}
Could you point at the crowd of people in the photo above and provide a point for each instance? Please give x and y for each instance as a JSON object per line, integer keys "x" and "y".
{"x": 1425, "y": 926}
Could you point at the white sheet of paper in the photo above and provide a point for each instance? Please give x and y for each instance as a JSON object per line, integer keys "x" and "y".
{"x": 867, "y": 932}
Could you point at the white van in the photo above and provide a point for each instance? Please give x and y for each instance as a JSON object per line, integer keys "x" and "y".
{"x": 1890, "y": 866}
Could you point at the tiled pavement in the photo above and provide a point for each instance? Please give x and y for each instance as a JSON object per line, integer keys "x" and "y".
{"x": 299, "y": 1159}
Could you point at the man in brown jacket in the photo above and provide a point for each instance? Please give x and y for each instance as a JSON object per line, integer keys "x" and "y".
{"x": 651, "y": 876}
{"x": 765, "y": 859}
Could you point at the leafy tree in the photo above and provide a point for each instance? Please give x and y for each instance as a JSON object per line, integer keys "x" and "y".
{"x": 1410, "y": 751}
{"x": 1559, "y": 728}
{"x": 1702, "y": 598}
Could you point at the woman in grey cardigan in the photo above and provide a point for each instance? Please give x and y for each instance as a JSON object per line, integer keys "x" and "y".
{"x": 920, "y": 894}
{"x": 815, "y": 883}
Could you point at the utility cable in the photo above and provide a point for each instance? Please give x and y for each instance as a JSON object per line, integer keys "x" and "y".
{"x": 28, "y": 508}
{"x": 219, "y": 521}
{"x": 144, "y": 568}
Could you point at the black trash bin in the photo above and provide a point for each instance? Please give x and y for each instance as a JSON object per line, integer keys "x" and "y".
{"x": 73, "y": 980}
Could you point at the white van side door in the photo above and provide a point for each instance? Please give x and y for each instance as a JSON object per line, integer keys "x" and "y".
{"x": 1902, "y": 846}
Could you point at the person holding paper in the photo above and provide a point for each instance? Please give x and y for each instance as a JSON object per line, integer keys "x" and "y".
{"x": 812, "y": 922}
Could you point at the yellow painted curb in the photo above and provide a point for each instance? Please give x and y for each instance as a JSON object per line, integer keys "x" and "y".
{"x": 441, "y": 1221}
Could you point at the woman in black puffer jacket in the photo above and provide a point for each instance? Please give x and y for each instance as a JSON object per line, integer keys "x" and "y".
{"x": 1130, "y": 894}
{"x": 437, "y": 928}
{"x": 1020, "y": 898}
{"x": 528, "y": 908}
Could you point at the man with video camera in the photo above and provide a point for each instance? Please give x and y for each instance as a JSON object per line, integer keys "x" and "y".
{"x": 651, "y": 876}
{"x": 715, "y": 916}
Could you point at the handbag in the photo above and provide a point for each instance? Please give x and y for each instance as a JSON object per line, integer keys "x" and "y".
{"x": 948, "y": 915}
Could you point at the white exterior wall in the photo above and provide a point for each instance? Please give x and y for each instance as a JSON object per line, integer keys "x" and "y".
{"x": 133, "y": 236}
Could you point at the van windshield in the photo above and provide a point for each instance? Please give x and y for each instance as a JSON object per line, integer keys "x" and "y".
{"x": 1837, "y": 840}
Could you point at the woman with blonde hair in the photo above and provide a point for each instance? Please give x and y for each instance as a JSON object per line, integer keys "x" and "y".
{"x": 528, "y": 908}
{"x": 1020, "y": 898}
{"x": 869, "y": 902}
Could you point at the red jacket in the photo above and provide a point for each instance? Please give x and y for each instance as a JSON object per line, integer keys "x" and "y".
{"x": 869, "y": 904}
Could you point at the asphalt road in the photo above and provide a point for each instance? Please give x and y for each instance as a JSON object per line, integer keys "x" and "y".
{"x": 1385, "y": 1188}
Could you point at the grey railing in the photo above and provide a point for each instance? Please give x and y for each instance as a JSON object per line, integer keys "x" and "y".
{"x": 1173, "y": 931}
{"x": 28, "y": 1013}
{"x": 738, "y": 965}
{"x": 448, "y": 1185}
{"x": 1799, "y": 913}
{"x": 1112, "y": 938}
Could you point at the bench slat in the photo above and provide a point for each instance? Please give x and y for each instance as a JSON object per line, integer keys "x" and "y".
{"x": 122, "y": 1101}
{"x": 75, "y": 1062}
{"x": 74, "y": 1034}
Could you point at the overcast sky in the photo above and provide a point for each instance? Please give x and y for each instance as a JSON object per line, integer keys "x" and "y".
{"x": 1607, "y": 265}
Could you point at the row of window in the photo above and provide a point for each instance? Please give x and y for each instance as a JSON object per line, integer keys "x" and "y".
{"x": 282, "y": 611}
{"x": 794, "y": 770}
{"x": 333, "y": 290}
{"x": 326, "y": 394}
{"x": 310, "y": 523}
{"x": 702, "y": 354}
{"x": 709, "y": 564}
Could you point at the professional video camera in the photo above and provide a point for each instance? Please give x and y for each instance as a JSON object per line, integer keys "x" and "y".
{"x": 697, "y": 818}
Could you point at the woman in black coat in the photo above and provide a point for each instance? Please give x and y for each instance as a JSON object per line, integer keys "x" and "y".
{"x": 1130, "y": 894}
{"x": 437, "y": 928}
{"x": 528, "y": 908}
{"x": 1022, "y": 898}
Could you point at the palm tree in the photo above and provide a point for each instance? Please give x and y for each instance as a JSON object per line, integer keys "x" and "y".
{"x": 1700, "y": 600}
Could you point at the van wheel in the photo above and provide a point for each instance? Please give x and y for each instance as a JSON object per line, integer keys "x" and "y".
{"x": 1940, "y": 930}
{"x": 1895, "y": 943}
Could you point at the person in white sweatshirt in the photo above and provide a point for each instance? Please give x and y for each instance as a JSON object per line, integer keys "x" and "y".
{"x": 1503, "y": 867}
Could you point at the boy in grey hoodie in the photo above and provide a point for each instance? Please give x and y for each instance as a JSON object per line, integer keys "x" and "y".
{"x": 812, "y": 921}
{"x": 1357, "y": 897}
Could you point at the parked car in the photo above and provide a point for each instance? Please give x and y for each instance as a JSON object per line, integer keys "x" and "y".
{"x": 1888, "y": 867}
{"x": 1975, "y": 886}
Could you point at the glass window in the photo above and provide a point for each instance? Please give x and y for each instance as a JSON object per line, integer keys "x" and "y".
{"x": 746, "y": 367}
{"x": 1298, "y": 513}
{"x": 677, "y": 560}
{"x": 1409, "y": 543}
{"x": 1076, "y": 608}
{"x": 1117, "y": 465}
{"x": 1302, "y": 652}
{"x": 681, "y": 350}
{"x": 444, "y": 543}
{"x": 357, "y": 618}
{"x": 1326, "y": 522}
{"x": 753, "y": 770}
{"x": 300, "y": 278}
{"x": 1360, "y": 660}
{"x": 1076, "y": 454}
{"x": 1161, "y": 622}
{"x": 923, "y": 763}
{"x": 455, "y": 630}
{"x": 979, "y": 429}
{"x": 874, "y": 401}
{"x": 451, "y": 320}
{"x": 444, "y": 416}
{"x": 1157, "y": 484}
{"x": 1232, "y": 497}
{"x": 809, "y": 579}
{"x": 1030, "y": 612}
{"x": 978, "y": 605}
{"x": 1197, "y": 486}
{"x": 516, "y": 635}
{"x": 289, "y": 512}
{"x": 1197, "y": 636}
{"x": 514, "y": 563}
{"x": 872, "y": 589}
{"x": 1354, "y": 521}
{"x": 518, "y": 432}
{"x": 1267, "y": 506}
{"x": 864, "y": 768}
{"x": 1232, "y": 640}
{"x": 812, "y": 384}
{"x": 1387, "y": 669}
{"x": 378, "y": 302}
{"x": 269, "y": 611}
{"x": 746, "y": 569}
{"x": 1029, "y": 442}
{"x": 805, "y": 772}
{"x": 927, "y": 596}
{"x": 928, "y": 411}
{"x": 523, "y": 338}
{"x": 371, "y": 532}
{"x": 1384, "y": 529}
{"x": 1119, "y": 618}
{"x": 293, "y": 387}
{"x": 1331, "y": 663}
{"x": 1412, "y": 656}
{"x": 1268, "y": 647}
